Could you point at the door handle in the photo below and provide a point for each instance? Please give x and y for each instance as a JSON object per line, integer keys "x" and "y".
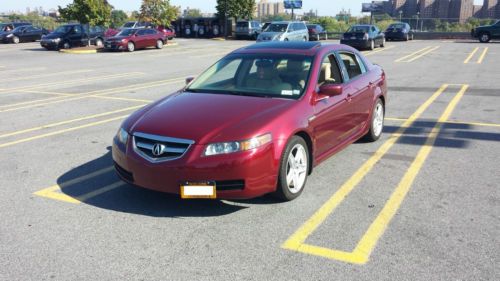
{"x": 349, "y": 97}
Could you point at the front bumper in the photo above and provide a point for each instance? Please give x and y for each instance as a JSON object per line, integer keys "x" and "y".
{"x": 6, "y": 40}
{"x": 115, "y": 46}
{"x": 48, "y": 44}
{"x": 358, "y": 44}
{"x": 241, "y": 175}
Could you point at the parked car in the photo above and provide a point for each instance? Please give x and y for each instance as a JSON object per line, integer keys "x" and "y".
{"x": 285, "y": 31}
{"x": 316, "y": 32}
{"x": 7, "y": 27}
{"x": 25, "y": 33}
{"x": 131, "y": 39}
{"x": 303, "y": 102}
{"x": 399, "y": 31}
{"x": 363, "y": 37}
{"x": 487, "y": 32}
{"x": 167, "y": 31}
{"x": 265, "y": 25}
{"x": 73, "y": 35}
{"x": 130, "y": 24}
{"x": 248, "y": 29}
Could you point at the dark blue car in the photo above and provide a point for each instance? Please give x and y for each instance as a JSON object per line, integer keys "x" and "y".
{"x": 363, "y": 37}
{"x": 399, "y": 31}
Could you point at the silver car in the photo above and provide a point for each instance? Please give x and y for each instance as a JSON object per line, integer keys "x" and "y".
{"x": 285, "y": 31}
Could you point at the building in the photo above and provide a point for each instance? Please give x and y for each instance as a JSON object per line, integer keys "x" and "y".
{"x": 442, "y": 9}
{"x": 406, "y": 8}
{"x": 427, "y": 8}
{"x": 266, "y": 8}
{"x": 490, "y": 9}
{"x": 461, "y": 9}
{"x": 477, "y": 11}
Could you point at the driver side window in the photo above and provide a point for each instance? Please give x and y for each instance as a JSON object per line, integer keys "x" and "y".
{"x": 330, "y": 71}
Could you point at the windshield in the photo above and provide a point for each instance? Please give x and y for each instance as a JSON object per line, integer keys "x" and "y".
{"x": 277, "y": 27}
{"x": 63, "y": 29}
{"x": 129, "y": 24}
{"x": 126, "y": 32}
{"x": 363, "y": 29}
{"x": 275, "y": 76}
{"x": 398, "y": 25}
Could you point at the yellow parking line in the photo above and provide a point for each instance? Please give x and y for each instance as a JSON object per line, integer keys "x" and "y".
{"x": 123, "y": 99}
{"x": 97, "y": 192}
{"x": 423, "y": 54}
{"x": 296, "y": 241}
{"x": 50, "y": 101}
{"x": 63, "y": 131}
{"x": 47, "y": 75}
{"x": 481, "y": 58}
{"x": 479, "y": 124}
{"x": 68, "y": 121}
{"x": 413, "y": 54}
{"x": 46, "y": 93}
{"x": 377, "y": 228}
{"x": 54, "y": 192}
{"x": 71, "y": 82}
{"x": 378, "y": 51}
{"x": 471, "y": 55}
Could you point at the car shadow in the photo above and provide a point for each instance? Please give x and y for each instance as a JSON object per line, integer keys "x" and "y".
{"x": 95, "y": 183}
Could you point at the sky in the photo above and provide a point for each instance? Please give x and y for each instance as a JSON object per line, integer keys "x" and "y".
{"x": 324, "y": 7}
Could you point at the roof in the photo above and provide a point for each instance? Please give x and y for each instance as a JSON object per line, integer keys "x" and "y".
{"x": 284, "y": 45}
{"x": 299, "y": 48}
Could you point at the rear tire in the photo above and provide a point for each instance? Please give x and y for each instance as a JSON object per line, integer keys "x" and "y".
{"x": 484, "y": 38}
{"x": 407, "y": 37}
{"x": 99, "y": 43}
{"x": 382, "y": 45}
{"x": 294, "y": 169}
{"x": 376, "y": 122}
{"x": 372, "y": 45}
{"x": 130, "y": 47}
{"x": 66, "y": 45}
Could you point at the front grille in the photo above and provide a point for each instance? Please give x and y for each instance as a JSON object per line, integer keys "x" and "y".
{"x": 124, "y": 174}
{"x": 230, "y": 185}
{"x": 170, "y": 148}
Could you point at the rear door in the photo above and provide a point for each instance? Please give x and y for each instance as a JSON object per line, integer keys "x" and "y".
{"x": 362, "y": 88}
{"x": 141, "y": 40}
{"x": 76, "y": 36}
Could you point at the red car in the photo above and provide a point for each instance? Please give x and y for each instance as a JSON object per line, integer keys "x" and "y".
{"x": 168, "y": 32}
{"x": 131, "y": 39}
{"x": 256, "y": 122}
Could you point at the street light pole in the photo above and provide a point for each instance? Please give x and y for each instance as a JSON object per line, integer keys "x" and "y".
{"x": 225, "y": 19}
{"x": 400, "y": 16}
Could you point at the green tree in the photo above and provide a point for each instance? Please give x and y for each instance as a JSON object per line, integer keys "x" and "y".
{"x": 158, "y": 12}
{"x": 193, "y": 13}
{"x": 236, "y": 9}
{"x": 35, "y": 19}
{"x": 118, "y": 18}
{"x": 93, "y": 12}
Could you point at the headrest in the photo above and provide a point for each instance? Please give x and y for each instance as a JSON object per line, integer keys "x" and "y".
{"x": 326, "y": 72}
{"x": 295, "y": 65}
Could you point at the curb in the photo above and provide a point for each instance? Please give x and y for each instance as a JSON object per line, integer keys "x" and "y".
{"x": 173, "y": 44}
{"x": 219, "y": 39}
{"x": 79, "y": 52}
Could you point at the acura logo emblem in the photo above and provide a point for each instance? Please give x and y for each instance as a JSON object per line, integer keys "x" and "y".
{"x": 158, "y": 149}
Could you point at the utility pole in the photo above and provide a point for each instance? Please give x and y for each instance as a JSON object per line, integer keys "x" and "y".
{"x": 225, "y": 19}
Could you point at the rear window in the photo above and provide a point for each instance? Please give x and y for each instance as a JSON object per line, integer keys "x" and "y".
{"x": 399, "y": 25}
{"x": 242, "y": 24}
{"x": 359, "y": 29}
{"x": 277, "y": 27}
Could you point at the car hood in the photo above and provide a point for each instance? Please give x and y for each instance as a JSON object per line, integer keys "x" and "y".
{"x": 53, "y": 35}
{"x": 206, "y": 118}
{"x": 270, "y": 34}
{"x": 117, "y": 38}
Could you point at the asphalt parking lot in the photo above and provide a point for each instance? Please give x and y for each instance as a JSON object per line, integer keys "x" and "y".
{"x": 422, "y": 203}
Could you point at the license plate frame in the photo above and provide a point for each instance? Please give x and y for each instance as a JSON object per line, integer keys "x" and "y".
{"x": 198, "y": 190}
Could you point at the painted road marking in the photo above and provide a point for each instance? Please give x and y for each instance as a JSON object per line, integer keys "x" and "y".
{"x": 378, "y": 51}
{"x": 55, "y": 191}
{"x": 480, "y": 58}
{"x": 379, "y": 225}
{"x": 296, "y": 242}
{"x": 72, "y": 82}
{"x": 93, "y": 94}
{"x": 122, "y": 99}
{"x": 68, "y": 121}
{"x": 418, "y": 54}
{"x": 47, "y": 75}
{"x": 479, "y": 124}
{"x": 46, "y": 93}
{"x": 62, "y": 131}
{"x": 471, "y": 55}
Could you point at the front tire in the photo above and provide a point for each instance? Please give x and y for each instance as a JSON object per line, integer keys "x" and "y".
{"x": 377, "y": 122}
{"x": 382, "y": 45}
{"x": 66, "y": 45}
{"x": 99, "y": 43}
{"x": 294, "y": 169}
{"x": 372, "y": 45}
{"x": 15, "y": 40}
{"x": 131, "y": 46}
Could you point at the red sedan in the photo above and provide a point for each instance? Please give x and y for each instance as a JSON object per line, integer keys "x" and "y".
{"x": 256, "y": 122}
{"x": 131, "y": 39}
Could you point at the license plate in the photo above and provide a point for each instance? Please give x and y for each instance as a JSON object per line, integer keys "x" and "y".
{"x": 354, "y": 37}
{"x": 198, "y": 190}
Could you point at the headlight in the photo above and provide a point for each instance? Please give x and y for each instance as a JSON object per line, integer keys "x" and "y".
{"x": 279, "y": 37}
{"x": 57, "y": 40}
{"x": 236, "y": 146}
{"x": 122, "y": 136}
{"x": 9, "y": 35}
{"x": 124, "y": 40}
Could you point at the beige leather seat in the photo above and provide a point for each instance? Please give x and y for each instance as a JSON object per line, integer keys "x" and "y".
{"x": 325, "y": 75}
{"x": 267, "y": 78}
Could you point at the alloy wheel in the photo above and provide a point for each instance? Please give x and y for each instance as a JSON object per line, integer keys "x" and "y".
{"x": 378, "y": 120}
{"x": 15, "y": 40}
{"x": 296, "y": 168}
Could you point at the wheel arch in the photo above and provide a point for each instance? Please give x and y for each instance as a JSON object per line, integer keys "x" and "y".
{"x": 307, "y": 138}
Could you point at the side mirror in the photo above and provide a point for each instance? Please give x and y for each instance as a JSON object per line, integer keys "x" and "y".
{"x": 331, "y": 90}
{"x": 189, "y": 80}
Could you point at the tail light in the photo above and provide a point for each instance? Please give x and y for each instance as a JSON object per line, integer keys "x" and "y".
{"x": 366, "y": 37}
